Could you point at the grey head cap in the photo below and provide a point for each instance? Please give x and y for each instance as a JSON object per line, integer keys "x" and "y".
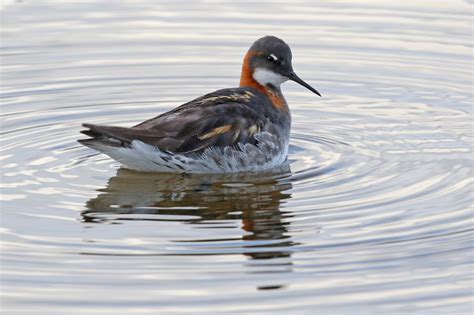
{"x": 272, "y": 45}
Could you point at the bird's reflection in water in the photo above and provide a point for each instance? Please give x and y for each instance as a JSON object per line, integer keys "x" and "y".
{"x": 254, "y": 199}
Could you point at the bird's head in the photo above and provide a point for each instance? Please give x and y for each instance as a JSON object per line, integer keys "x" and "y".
{"x": 268, "y": 63}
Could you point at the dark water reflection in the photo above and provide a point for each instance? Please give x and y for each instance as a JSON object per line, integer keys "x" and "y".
{"x": 252, "y": 199}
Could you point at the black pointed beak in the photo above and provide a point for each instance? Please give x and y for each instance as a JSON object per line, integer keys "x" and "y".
{"x": 293, "y": 77}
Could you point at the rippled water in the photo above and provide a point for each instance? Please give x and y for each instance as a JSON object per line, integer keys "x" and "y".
{"x": 374, "y": 213}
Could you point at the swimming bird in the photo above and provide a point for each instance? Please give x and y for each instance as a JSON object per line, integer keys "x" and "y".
{"x": 243, "y": 129}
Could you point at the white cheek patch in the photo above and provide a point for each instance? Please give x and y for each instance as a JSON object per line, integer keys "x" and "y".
{"x": 264, "y": 77}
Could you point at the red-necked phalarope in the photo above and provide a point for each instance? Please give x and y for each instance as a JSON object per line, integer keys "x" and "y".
{"x": 230, "y": 130}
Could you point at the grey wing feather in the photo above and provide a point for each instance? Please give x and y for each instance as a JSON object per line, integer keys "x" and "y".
{"x": 192, "y": 127}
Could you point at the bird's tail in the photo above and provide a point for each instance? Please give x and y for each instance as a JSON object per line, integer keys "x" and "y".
{"x": 103, "y": 136}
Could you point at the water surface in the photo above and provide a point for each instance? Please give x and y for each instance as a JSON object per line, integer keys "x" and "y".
{"x": 372, "y": 215}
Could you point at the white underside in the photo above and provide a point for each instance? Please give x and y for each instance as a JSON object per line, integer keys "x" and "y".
{"x": 139, "y": 156}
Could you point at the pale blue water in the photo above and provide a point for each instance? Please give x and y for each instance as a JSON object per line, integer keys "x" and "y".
{"x": 374, "y": 216}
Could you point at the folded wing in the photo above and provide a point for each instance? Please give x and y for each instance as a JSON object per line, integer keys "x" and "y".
{"x": 223, "y": 118}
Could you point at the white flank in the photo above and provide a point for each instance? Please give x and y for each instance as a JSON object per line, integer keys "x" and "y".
{"x": 247, "y": 158}
{"x": 264, "y": 77}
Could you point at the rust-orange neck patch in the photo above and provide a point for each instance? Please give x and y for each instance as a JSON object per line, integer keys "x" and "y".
{"x": 247, "y": 80}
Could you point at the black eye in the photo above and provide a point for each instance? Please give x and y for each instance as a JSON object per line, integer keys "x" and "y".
{"x": 274, "y": 59}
